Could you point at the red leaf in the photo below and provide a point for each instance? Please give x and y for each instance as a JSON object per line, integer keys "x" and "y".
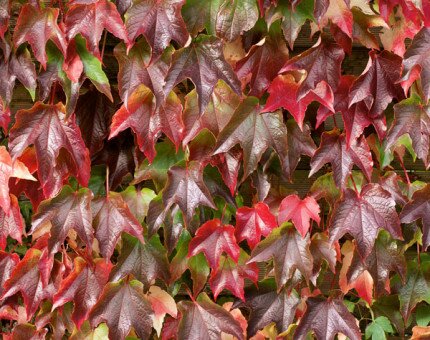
{"x": 363, "y": 214}
{"x": 160, "y": 21}
{"x": 338, "y": 13}
{"x": 146, "y": 121}
{"x": 378, "y": 84}
{"x": 111, "y": 217}
{"x": 321, "y": 62}
{"x": 203, "y": 62}
{"x": 37, "y": 26}
{"x": 122, "y": 306}
{"x": 162, "y": 303}
{"x": 333, "y": 150}
{"x": 299, "y": 211}
{"x": 91, "y": 19}
{"x": 327, "y": 318}
{"x": 186, "y": 188}
{"x": 26, "y": 278}
{"x": 283, "y": 93}
{"x": 82, "y": 286}
{"x": 252, "y": 223}
{"x": 11, "y": 223}
{"x": 68, "y": 210}
{"x": 230, "y": 275}
{"x": 4, "y": 17}
{"x": 46, "y": 126}
{"x": 213, "y": 238}
{"x": 263, "y": 62}
{"x": 8, "y": 262}
{"x": 10, "y": 168}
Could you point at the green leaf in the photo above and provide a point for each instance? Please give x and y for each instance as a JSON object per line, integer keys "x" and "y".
{"x": 377, "y": 329}
{"x": 93, "y": 68}
{"x": 422, "y": 315}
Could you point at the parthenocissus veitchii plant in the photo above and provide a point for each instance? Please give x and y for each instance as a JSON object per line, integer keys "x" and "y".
{"x": 214, "y": 169}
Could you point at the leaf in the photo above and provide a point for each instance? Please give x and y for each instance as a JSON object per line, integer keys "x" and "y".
{"x": 362, "y": 215}
{"x": 378, "y": 84}
{"x": 230, "y": 275}
{"x": 111, "y": 217}
{"x": 321, "y": 63}
{"x": 146, "y": 121}
{"x": 300, "y": 212}
{"x": 145, "y": 261}
{"x": 298, "y": 257}
{"x": 416, "y": 289}
{"x": 283, "y": 93}
{"x": 412, "y": 117}
{"x": 339, "y": 14}
{"x": 138, "y": 201}
{"x": 294, "y": 19}
{"x": 322, "y": 250}
{"x": 83, "y": 286}
{"x": 235, "y": 17}
{"x": 263, "y": 62}
{"x": 16, "y": 66}
{"x": 200, "y": 14}
{"x": 159, "y": 21}
{"x": 363, "y": 22}
{"x": 199, "y": 269}
{"x": 134, "y": 70}
{"x": 26, "y": 279}
{"x": 203, "y": 319}
{"x": 36, "y": 26}
{"x": 300, "y": 143}
{"x": 4, "y": 17}
{"x": 135, "y": 310}
{"x": 254, "y": 132}
{"x": 202, "y": 62}
{"x": 93, "y": 68}
{"x": 222, "y": 104}
{"x": 213, "y": 238}
{"x": 8, "y": 262}
{"x": 10, "y": 168}
{"x": 26, "y": 331}
{"x": 267, "y": 305}
{"x": 326, "y": 318}
{"x": 46, "y": 126}
{"x": 93, "y": 114}
{"x": 252, "y": 223}
{"x": 186, "y": 188}
{"x": 377, "y": 329}
{"x": 90, "y": 20}
{"x": 420, "y": 333}
{"x": 418, "y": 208}
{"x": 415, "y": 62}
{"x": 355, "y": 118}
{"x": 333, "y": 150}
{"x": 386, "y": 257}
{"x": 68, "y": 210}
{"x": 162, "y": 303}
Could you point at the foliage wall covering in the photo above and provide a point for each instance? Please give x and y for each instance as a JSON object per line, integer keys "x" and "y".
{"x": 148, "y": 190}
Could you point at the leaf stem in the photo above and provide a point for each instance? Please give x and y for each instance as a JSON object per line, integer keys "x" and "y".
{"x": 107, "y": 181}
{"x": 103, "y": 46}
{"x": 404, "y": 171}
{"x": 353, "y": 183}
{"x": 335, "y": 121}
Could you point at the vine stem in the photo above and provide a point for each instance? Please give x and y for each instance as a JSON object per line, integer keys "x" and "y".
{"x": 103, "y": 46}
{"x": 335, "y": 121}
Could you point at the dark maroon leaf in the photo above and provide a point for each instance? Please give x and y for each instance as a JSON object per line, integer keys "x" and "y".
{"x": 363, "y": 214}
{"x": 203, "y": 62}
{"x": 160, "y": 21}
{"x": 326, "y": 318}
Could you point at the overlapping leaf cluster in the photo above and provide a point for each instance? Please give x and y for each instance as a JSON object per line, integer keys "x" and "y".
{"x": 147, "y": 191}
